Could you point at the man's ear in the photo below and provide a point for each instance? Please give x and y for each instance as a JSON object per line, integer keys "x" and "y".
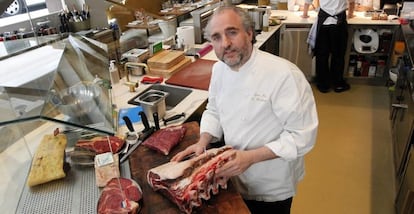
{"x": 252, "y": 35}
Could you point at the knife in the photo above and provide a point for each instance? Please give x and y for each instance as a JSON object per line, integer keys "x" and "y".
{"x": 128, "y": 123}
{"x": 156, "y": 121}
{"x": 131, "y": 136}
{"x": 144, "y": 120}
{"x": 175, "y": 117}
{"x": 143, "y": 136}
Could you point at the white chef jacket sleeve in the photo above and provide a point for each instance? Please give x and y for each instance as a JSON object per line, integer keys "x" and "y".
{"x": 295, "y": 105}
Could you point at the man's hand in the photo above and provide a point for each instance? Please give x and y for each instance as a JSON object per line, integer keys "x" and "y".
{"x": 196, "y": 149}
{"x": 238, "y": 162}
{"x": 241, "y": 160}
{"x": 305, "y": 11}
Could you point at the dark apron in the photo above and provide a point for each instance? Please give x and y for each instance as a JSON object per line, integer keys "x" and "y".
{"x": 322, "y": 16}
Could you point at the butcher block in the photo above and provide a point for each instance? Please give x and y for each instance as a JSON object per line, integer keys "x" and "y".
{"x": 227, "y": 201}
{"x": 165, "y": 59}
{"x": 195, "y": 75}
{"x": 167, "y": 62}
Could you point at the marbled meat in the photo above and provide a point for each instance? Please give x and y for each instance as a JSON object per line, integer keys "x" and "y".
{"x": 113, "y": 200}
{"x": 100, "y": 144}
{"x": 187, "y": 182}
{"x": 165, "y": 139}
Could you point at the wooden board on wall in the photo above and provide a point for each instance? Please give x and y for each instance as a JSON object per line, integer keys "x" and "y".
{"x": 153, "y": 6}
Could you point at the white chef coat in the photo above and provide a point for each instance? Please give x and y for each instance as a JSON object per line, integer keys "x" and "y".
{"x": 267, "y": 102}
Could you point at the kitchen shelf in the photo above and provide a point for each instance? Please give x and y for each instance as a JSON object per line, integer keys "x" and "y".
{"x": 357, "y": 64}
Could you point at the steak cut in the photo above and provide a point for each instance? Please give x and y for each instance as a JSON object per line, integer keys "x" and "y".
{"x": 113, "y": 200}
{"x": 165, "y": 139}
{"x": 187, "y": 182}
{"x": 100, "y": 144}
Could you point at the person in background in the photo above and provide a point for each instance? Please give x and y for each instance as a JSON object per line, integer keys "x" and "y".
{"x": 296, "y": 5}
{"x": 331, "y": 43}
{"x": 264, "y": 107}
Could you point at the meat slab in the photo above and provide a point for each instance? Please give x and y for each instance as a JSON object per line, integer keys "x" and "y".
{"x": 187, "y": 182}
{"x": 165, "y": 139}
{"x": 100, "y": 144}
{"x": 113, "y": 199}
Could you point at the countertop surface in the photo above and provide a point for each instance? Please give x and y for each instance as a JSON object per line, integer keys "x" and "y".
{"x": 295, "y": 17}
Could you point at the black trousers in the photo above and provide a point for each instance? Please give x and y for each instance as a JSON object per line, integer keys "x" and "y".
{"x": 277, "y": 207}
{"x": 330, "y": 54}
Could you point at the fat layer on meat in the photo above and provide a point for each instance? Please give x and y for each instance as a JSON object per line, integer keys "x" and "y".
{"x": 186, "y": 183}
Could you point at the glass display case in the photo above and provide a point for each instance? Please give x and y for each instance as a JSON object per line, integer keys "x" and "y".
{"x": 62, "y": 85}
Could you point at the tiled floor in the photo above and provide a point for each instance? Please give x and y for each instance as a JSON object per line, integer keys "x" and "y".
{"x": 350, "y": 169}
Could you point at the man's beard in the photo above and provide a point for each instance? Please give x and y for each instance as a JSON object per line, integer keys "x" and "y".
{"x": 235, "y": 60}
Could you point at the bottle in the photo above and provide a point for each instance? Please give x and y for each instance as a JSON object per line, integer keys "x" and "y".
{"x": 113, "y": 71}
{"x": 265, "y": 22}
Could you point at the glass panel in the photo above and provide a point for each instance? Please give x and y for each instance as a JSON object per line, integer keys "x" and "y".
{"x": 66, "y": 81}
{"x": 30, "y": 20}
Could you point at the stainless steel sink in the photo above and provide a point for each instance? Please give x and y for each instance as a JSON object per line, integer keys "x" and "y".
{"x": 175, "y": 95}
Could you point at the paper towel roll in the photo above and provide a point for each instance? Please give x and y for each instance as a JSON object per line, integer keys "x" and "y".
{"x": 185, "y": 36}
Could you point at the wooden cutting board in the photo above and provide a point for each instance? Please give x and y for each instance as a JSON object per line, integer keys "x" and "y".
{"x": 168, "y": 72}
{"x": 195, "y": 75}
{"x": 165, "y": 59}
{"x": 228, "y": 201}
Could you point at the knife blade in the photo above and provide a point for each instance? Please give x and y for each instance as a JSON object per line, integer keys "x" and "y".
{"x": 142, "y": 137}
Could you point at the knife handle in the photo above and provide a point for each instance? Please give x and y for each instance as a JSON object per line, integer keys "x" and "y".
{"x": 128, "y": 123}
{"x": 144, "y": 120}
{"x": 175, "y": 117}
{"x": 156, "y": 120}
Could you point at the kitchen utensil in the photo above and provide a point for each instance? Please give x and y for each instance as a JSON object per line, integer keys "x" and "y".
{"x": 131, "y": 136}
{"x": 195, "y": 75}
{"x": 172, "y": 118}
{"x": 128, "y": 123}
{"x": 257, "y": 16}
{"x": 156, "y": 120}
{"x": 143, "y": 136}
{"x": 165, "y": 59}
{"x": 153, "y": 101}
{"x": 144, "y": 120}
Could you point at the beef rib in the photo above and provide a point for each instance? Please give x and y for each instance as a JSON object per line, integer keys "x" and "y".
{"x": 187, "y": 182}
{"x": 100, "y": 144}
{"x": 120, "y": 195}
